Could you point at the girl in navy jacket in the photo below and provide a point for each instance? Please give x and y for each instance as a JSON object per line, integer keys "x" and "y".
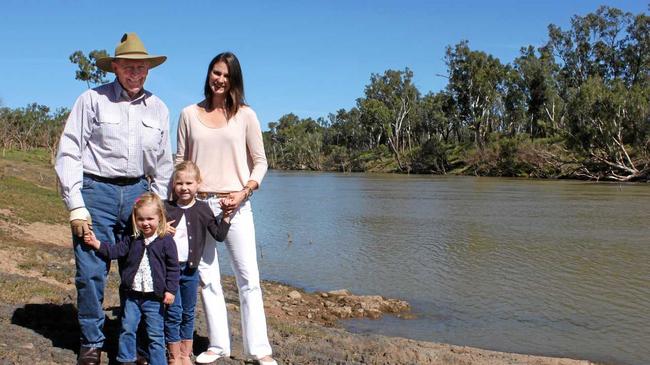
{"x": 150, "y": 277}
{"x": 189, "y": 220}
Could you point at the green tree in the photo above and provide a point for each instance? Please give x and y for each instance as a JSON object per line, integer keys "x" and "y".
{"x": 87, "y": 67}
{"x": 389, "y": 111}
{"x": 475, "y": 82}
{"x": 600, "y": 118}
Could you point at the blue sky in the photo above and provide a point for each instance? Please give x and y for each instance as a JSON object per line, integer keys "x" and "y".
{"x": 310, "y": 58}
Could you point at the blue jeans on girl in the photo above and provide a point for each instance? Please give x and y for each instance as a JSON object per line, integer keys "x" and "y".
{"x": 137, "y": 306}
{"x": 179, "y": 321}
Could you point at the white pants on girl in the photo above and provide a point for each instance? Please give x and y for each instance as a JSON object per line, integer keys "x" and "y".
{"x": 240, "y": 243}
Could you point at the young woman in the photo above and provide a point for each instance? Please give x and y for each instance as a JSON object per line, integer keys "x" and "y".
{"x": 222, "y": 135}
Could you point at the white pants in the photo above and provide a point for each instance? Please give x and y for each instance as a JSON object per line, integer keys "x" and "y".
{"x": 240, "y": 243}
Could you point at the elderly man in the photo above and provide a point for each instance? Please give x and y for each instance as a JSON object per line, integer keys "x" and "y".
{"x": 114, "y": 147}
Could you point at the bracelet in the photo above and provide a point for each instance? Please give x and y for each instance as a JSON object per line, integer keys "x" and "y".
{"x": 250, "y": 191}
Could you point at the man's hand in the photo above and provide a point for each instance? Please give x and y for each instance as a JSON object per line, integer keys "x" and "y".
{"x": 80, "y": 221}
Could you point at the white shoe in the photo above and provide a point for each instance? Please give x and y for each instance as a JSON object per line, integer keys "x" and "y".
{"x": 267, "y": 362}
{"x": 207, "y": 357}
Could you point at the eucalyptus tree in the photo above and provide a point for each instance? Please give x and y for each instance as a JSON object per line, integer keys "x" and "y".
{"x": 388, "y": 111}
{"x": 535, "y": 80}
{"x": 87, "y": 67}
{"x": 434, "y": 121}
{"x": 476, "y": 82}
{"x": 601, "y": 115}
{"x": 296, "y": 143}
{"x": 603, "y": 62}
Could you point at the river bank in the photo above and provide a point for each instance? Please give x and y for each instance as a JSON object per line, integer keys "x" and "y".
{"x": 37, "y": 299}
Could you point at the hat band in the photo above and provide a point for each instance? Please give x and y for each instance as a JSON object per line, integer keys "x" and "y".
{"x": 131, "y": 53}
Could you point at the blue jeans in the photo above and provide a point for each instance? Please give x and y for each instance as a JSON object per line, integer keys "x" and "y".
{"x": 153, "y": 312}
{"x": 110, "y": 209}
{"x": 179, "y": 321}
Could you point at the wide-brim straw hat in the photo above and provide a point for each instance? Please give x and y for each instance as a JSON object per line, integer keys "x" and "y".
{"x": 130, "y": 48}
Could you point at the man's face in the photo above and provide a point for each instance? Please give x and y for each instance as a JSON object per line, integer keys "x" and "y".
{"x": 131, "y": 74}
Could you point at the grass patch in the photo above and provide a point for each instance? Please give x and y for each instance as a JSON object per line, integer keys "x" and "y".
{"x": 37, "y": 156}
{"x": 16, "y": 289}
{"x": 31, "y": 203}
{"x": 296, "y": 330}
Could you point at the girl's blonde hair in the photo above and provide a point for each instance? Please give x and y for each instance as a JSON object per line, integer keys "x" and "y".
{"x": 149, "y": 198}
{"x": 187, "y": 166}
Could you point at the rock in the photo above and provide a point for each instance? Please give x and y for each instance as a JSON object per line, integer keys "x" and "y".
{"x": 27, "y": 346}
{"x": 329, "y": 304}
{"x": 324, "y": 295}
{"x": 37, "y": 300}
{"x": 295, "y": 295}
{"x": 342, "y": 312}
{"x": 232, "y": 307}
{"x": 373, "y": 313}
{"x": 339, "y": 293}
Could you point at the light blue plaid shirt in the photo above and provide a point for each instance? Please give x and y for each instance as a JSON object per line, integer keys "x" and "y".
{"x": 109, "y": 135}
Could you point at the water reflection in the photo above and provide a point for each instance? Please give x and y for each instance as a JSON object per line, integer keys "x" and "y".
{"x": 544, "y": 267}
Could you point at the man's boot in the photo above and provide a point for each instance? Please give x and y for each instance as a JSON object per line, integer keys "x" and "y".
{"x": 89, "y": 356}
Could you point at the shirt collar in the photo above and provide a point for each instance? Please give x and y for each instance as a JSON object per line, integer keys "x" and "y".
{"x": 121, "y": 94}
{"x": 186, "y": 206}
{"x": 147, "y": 241}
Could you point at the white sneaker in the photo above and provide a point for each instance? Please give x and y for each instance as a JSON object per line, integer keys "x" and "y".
{"x": 267, "y": 362}
{"x": 208, "y": 357}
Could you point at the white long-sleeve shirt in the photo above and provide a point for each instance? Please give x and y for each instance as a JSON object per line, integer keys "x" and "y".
{"x": 109, "y": 135}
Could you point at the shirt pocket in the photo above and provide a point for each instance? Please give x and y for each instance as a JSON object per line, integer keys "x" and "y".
{"x": 107, "y": 130}
{"x": 151, "y": 134}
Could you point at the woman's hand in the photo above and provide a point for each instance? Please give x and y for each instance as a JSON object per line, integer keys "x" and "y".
{"x": 233, "y": 201}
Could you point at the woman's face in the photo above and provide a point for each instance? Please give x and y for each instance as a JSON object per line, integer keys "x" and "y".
{"x": 219, "y": 78}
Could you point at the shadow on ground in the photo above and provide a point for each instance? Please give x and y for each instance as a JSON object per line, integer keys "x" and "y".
{"x": 58, "y": 323}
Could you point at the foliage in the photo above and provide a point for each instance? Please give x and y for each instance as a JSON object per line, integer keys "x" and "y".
{"x": 575, "y": 107}
{"x": 31, "y": 127}
{"x": 87, "y": 67}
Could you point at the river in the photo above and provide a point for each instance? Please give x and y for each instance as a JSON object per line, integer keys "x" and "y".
{"x": 557, "y": 268}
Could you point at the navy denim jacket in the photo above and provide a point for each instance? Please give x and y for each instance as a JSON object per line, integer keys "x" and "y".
{"x": 163, "y": 259}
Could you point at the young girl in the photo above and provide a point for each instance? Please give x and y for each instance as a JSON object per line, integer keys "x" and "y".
{"x": 149, "y": 276}
{"x": 189, "y": 219}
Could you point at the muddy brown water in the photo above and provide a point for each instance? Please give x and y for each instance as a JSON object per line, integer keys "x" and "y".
{"x": 558, "y": 268}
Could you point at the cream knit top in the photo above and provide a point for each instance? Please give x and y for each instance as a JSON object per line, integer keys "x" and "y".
{"x": 229, "y": 156}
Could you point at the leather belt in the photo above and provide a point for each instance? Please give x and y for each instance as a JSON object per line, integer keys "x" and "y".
{"x": 115, "y": 180}
{"x": 206, "y": 195}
